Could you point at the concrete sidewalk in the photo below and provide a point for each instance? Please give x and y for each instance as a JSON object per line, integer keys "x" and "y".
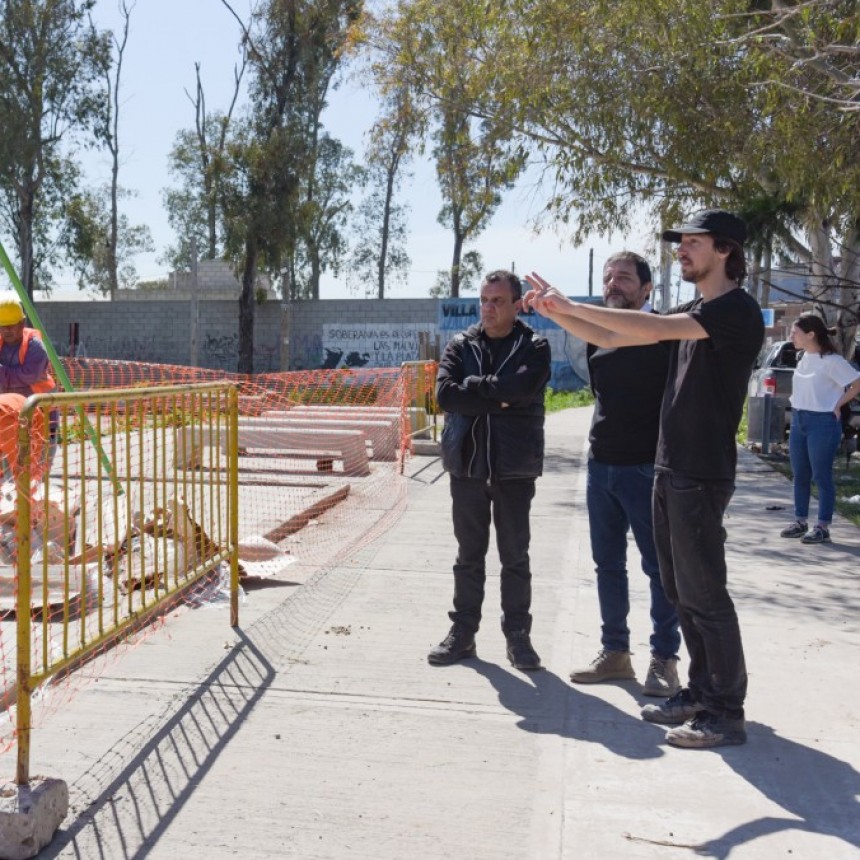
{"x": 318, "y": 730}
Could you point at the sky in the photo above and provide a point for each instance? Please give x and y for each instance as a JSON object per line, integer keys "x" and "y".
{"x": 167, "y": 37}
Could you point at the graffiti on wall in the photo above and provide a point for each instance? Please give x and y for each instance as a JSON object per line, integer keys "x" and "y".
{"x": 354, "y": 345}
{"x": 306, "y": 349}
{"x": 221, "y": 348}
{"x": 222, "y": 352}
{"x": 123, "y": 348}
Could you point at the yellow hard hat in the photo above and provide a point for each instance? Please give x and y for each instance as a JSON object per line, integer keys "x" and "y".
{"x": 11, "y": 312}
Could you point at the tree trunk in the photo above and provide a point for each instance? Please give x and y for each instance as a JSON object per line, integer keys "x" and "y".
{"x": 25, "y": 240}
{"x": 212, "y": 228}
{"x": 767, "y": 266}
{"x": 246, "y": 308}
{"x": 848, "y": 314}
{"x": 113, "y": 279}
{"x": 822, "y": 267}
{"x": 386, "y": 227}
{"x": 315, "y": 275}
{"x": 755, "y": 284}
{"x": 455, "y": 264}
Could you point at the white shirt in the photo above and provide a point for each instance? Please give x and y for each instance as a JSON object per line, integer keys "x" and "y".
{"x": 819, "y": 381}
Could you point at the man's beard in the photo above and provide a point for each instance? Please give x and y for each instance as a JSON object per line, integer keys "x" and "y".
{"x": 619, "y": 301}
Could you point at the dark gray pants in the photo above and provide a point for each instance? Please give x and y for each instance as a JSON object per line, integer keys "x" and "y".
{"x": 690, "y": 541}
{"x": 475, "y": 503}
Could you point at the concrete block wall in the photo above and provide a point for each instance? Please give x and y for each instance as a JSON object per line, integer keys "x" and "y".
{"x": 159, "y": 329}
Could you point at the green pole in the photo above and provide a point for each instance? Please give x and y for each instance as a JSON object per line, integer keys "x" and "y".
{"x": 56, "y": 364}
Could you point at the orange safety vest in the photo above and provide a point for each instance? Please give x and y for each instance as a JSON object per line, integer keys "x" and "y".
{"x": 41, "y": 386}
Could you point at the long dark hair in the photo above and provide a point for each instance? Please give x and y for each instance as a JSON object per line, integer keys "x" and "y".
{"x": 809, "y": 322}
{"x": 736, "y": 264}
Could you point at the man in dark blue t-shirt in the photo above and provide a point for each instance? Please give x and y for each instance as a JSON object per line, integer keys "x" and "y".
{"x": 715, "y": 340}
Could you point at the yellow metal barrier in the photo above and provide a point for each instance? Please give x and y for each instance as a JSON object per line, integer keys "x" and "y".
{"x": 113, "y": 528}
{"x": 419, "y": 395}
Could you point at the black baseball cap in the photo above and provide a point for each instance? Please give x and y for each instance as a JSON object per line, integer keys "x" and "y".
{"x": 710, "y": 221}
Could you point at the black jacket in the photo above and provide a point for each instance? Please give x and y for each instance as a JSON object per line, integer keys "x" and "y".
{"x": 481, "y": 437}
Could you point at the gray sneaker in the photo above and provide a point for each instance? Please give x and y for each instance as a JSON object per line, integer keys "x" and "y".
{"x": 796, "y": 530}
{"x": 662, "y": 677}
{"x": 606, "y": 666}
{"x": 706, "y": 731}
{"x": 819, "y": 534}
{"x": 674, "y": 711}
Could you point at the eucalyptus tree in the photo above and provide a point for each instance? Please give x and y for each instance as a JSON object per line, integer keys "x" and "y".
{"x": 666, "y": 105}
{"x": 52, "y": 62}
{"x": 100, "y": 242}
{"x": 112, "y": 77}
{"x": 322, "y": 215}
{"x": 380, "y": 257}
{"x": 199, "y": 162}
{"x": 294, "y": 48}
{"x": 473, "y": 166}
{"x": 439, "y": 59}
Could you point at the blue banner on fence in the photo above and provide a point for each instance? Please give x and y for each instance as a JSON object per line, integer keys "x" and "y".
{"x": 569, "y": 365}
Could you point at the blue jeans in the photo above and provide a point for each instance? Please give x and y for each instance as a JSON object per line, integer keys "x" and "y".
{"x": 812, "y": 446}
{"x": 690, "y": 541}
{"x": 618, "y": 499}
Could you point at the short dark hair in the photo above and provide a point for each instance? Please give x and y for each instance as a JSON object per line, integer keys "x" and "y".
{"x": 514, "y": 282}
{"x": 643, "y": 270}
{"x": 736, "y": 262}
{"x": 810, "y": 322}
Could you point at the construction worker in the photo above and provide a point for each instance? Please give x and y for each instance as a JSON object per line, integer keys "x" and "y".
{"x": 24, "y": 365}
{"x": 24, "y": 370}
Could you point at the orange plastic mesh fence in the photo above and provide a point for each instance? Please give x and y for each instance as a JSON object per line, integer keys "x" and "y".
{"x": 319, "y": 474}
{"x": 101, "y": 530}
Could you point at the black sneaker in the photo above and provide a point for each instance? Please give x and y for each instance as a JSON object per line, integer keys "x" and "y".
{"x": 706, "y": 731}
{"x": 674, "y": 711}
{"x": 459, "y": 643}
{"x": 520, "y": 651}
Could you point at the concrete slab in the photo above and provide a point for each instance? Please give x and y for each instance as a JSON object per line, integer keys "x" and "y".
{"x": 318, "y": 730}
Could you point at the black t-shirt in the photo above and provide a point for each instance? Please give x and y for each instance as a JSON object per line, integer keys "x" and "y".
{"x": 706, "y": 387}
{"x": 628, "y": 385}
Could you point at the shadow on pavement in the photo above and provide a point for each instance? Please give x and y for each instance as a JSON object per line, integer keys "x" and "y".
{"x": 818, "y": 791}
{"x": 549, "y": 705}
{"x": 126, "y": 817}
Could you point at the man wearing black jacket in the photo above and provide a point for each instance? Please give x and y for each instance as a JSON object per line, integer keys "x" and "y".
{"x": 491, "y": 385}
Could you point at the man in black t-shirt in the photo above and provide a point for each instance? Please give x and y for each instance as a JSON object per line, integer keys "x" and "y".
{"x": 628, "y": 387}
{"x": 715, "y": 340}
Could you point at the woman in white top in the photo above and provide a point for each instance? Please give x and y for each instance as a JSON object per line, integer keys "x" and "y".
{"x": 823, "y": 381}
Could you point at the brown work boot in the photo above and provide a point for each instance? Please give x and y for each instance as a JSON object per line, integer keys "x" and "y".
{"x": 606, "y": 666}
{"x": 662, "y": 678}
